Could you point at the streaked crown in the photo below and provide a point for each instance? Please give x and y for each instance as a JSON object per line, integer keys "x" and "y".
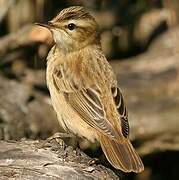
{"x": 74, "y": 12}
{"x": 74, "y": 28}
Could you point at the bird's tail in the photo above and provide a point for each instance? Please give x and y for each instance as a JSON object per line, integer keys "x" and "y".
{"x": 121, "y": 155}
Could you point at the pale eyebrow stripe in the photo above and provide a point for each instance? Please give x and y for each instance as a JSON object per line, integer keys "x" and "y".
{"x": 78, "y": 22}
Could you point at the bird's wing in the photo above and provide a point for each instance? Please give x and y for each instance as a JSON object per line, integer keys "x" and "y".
{"x": 86, "y": 102}
{"x": 118, "y": 98}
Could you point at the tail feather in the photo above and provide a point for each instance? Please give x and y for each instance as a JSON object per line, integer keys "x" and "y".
{"x": 121, "y": 155}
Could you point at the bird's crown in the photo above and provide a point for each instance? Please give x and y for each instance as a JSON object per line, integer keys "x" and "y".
{"x": 73, "y": 13}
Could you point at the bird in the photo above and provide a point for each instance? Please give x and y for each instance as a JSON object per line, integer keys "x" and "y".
{"x": 84, "y": 90}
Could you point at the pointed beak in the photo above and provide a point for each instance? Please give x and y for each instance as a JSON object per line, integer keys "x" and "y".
{"x": 49, "y": 25}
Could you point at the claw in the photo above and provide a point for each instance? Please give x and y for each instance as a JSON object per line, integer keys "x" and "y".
{"x": 93, "y": 161}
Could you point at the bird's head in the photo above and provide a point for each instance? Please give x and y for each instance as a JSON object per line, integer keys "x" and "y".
{"x": 73, "y": 28}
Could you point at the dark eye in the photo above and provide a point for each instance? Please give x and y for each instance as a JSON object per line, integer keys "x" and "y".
{"x": 71, "y": 26}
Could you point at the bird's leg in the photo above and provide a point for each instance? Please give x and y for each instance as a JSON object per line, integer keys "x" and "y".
{"x": 76, "y": 145}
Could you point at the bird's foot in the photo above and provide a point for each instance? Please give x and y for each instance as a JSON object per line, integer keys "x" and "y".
{"x": 93, "y": 161}
{"x": 56, "y": 141}
{"x": 60, "y": 135}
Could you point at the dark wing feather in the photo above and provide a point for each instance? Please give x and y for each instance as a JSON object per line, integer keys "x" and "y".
{"x": 86, "y": 102}
{"x": 118, "y": 98}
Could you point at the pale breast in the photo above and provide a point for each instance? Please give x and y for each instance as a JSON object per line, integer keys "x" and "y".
{"x": 67, "y": 116}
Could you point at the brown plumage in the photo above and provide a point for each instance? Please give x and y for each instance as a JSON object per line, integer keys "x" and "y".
{"x": 84, "y": 89}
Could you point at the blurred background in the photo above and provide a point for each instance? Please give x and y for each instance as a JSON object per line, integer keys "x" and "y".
{"x": 140, "y": 40}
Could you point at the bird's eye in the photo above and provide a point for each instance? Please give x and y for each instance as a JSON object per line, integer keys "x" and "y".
{"x": 71, "y": 26}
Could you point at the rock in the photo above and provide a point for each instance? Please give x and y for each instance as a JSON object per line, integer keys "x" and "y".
{"x": 36, "y": 160}
{"x": 24, "y": 112}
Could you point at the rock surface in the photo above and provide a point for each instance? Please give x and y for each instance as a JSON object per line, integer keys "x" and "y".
{"x": 36, "y": 160}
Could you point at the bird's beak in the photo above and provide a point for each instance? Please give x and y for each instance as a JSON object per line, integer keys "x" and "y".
{"x": 49, "y": 25}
